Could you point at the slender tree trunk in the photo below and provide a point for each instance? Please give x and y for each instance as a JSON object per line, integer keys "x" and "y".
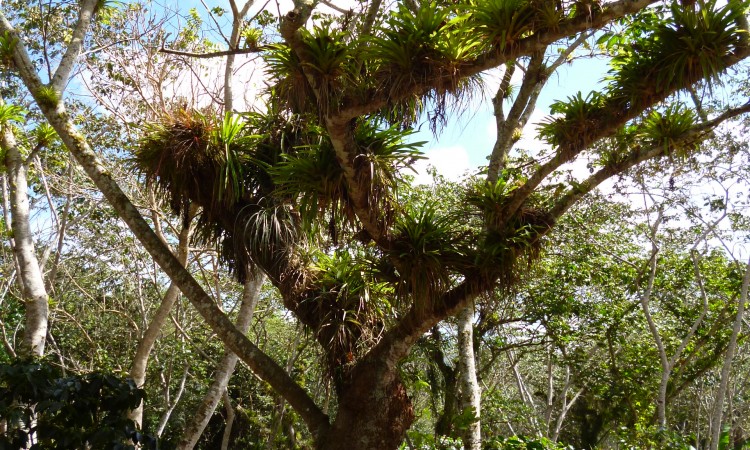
{"x": 173, "y": 404}
{"x": 565, "y": 406}
{"x": 444, "y": 423}
{"x": 146, "y": 343}
{"x": 718, "y": 412}
{"x": 278, "y": 416}
{"x": 194, "y": 429}
{"x": 29, "y": 272}
{"x": 661, "y": 398}
{"x": 470, "y": 393}
{"x": 227, "y": 435}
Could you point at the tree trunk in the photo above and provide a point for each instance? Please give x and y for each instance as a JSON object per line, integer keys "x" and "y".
{"x": 194, "y": 429}
{"x": 227, "y": 436}
{"x": 718, "y": 413}
{"x": 146, "y": 344}
{"x": 444, "y": 422}
{"x": 470, "y": 393}
{"x": 29, "y": 273}
{"x": 374, "y": 410}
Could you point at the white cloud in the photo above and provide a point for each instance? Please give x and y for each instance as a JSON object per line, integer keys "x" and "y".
{"x": 451, "y": 162}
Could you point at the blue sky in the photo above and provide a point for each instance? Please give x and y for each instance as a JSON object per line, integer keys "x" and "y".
{"x": 466, "y": 141}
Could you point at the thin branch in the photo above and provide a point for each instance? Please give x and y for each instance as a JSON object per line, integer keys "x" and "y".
{"x": 239, "y": 51}
{"x": 213, "y": 19}
{"x": 338, "y": 8}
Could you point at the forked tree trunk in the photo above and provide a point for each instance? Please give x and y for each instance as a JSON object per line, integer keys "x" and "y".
{"x": 199, "y": 420}
{"x": 29, "y": 272}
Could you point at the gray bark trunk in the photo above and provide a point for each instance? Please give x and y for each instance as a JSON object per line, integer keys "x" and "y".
{"x": 194, "y": 429}
{"x": 470, "y": 393}
{"x": 29, "y": 272}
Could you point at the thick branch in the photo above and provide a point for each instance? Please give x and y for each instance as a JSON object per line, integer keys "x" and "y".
{"x": 534, "y": 77}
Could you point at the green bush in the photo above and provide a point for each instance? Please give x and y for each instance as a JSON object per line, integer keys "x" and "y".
{"x": 55, "y": 411}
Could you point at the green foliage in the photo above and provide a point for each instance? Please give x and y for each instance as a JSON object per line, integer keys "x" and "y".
{"x": 189, "y": 155}
{"x": 291, "y": 86}
{"x": 431, "y": 45}
{"x": 429, "y": 247}
{"x": 269, "y": 234}
{"x": 328, "y": 63}
{"x": 663, "y": 128}
{"x": 11, "y": 113}
{"x": 577, "y": 118}
{"x": 691, "y": 45}
{"x": 352, "y": 302}
{"x": 44, "y": 135}
{"x": 47, "y": 96}
{"x": 67, "y": 412}
{"x": 502, "y": 22}
{"x": 7, "y": 45}
{"x": 522, "y": 443}
{"x": 252, "y": 37}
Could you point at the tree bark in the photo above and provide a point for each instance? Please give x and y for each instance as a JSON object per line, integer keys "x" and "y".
{"x": 29, "y": 272}
{"x": 470, "y": 393}
{"x": 374, "y": 409}
{"x": 194, "y": 429}
{"x": 146, "y": 343}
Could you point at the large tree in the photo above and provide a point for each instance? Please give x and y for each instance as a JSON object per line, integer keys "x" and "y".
{"x": 308, "y": 190}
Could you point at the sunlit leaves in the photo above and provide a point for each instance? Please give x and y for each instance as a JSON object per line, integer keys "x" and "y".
{"x": 502, "y": 22}
{"x": 576, "y": 118}
{"x": 11, "y": 113}
{"x": 665, "y": 127}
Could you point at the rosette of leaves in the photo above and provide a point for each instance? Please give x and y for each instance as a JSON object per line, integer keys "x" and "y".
{"x": 577, "y": 117}
{"x": 190, "y": 156}
{"x": 352, "y": 303}
{"x": 384, "y": 153}
{"x": 666, "y": 127}
{"x": 502, "y": 22}
{"x": 291, "y": 85}
{"x": 412, "y": 48}
{"x": 506, "y": 238}
{"x": 328, "y": 63}
{"x": 690, "y": 44}
{"x": 431, "y": 251}
{"x": 313, "y": 179}
{"x": 193, "y": 158}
